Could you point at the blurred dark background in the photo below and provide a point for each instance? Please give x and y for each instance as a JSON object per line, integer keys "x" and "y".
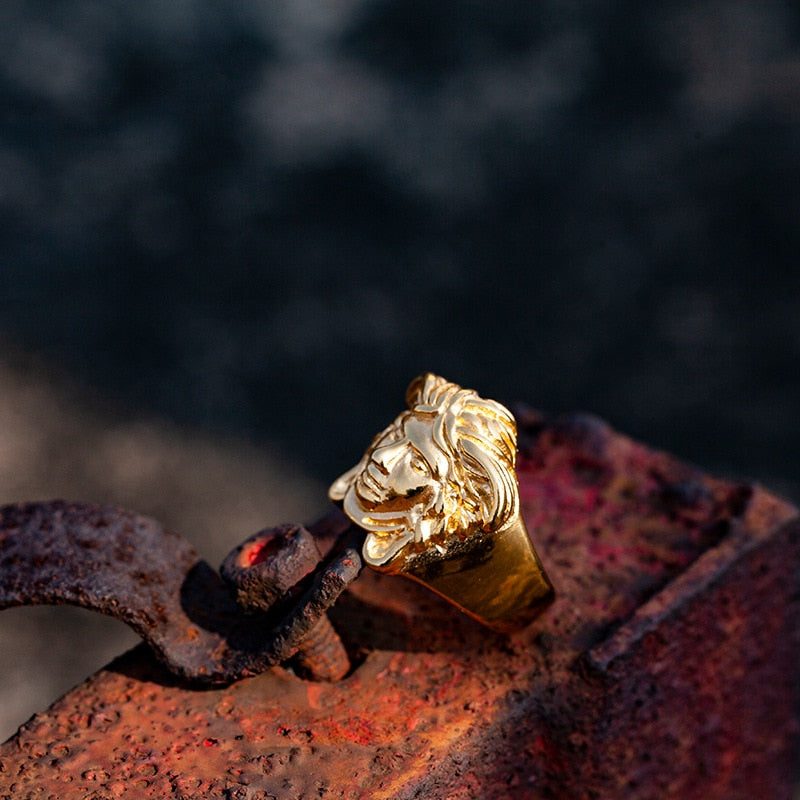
{"x": 265, "y": 218}
{"x": 243, "y": 224}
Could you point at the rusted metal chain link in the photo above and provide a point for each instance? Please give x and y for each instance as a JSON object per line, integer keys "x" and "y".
{"x": 127, "y": 566}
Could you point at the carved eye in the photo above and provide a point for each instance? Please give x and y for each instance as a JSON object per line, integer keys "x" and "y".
{"x": 418, "y": 463}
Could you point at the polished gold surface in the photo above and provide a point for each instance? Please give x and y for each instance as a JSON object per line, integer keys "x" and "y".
{"x": 437, "y": 493}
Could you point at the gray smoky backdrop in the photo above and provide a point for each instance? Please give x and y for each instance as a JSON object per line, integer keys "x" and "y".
{"x": 232, "y": 231}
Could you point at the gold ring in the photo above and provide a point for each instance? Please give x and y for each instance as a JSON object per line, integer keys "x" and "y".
{"x": 437, "y": 493}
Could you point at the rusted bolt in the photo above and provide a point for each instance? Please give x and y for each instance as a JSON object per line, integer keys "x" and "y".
{"x": 268, "y": 573}
{"x": 129, "y": 567}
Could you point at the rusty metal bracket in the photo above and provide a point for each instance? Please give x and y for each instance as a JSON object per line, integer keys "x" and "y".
{"x": 127, "y": 566}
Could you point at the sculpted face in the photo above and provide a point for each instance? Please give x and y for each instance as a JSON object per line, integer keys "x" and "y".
{"x": 443, "y": 468}
{"x": 401, "y": 465}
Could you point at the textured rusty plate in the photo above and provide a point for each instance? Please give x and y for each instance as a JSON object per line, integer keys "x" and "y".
{"x": 665, "y": 668}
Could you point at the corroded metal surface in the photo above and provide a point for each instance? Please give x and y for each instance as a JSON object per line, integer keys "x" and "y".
{"x": 665, "y": 668}
{"x": 127, "y": 566}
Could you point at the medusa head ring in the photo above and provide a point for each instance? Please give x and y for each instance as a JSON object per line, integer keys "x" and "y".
{"x": 437, "y": 493}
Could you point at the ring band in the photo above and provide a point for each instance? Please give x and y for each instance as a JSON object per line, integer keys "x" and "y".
{"x": 437, "y": 493}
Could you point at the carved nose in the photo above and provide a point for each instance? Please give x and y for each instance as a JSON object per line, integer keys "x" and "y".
{"x": 387, "y": 456}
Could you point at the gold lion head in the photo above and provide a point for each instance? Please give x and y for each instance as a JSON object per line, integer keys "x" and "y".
{"x": 443, "y": 469}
